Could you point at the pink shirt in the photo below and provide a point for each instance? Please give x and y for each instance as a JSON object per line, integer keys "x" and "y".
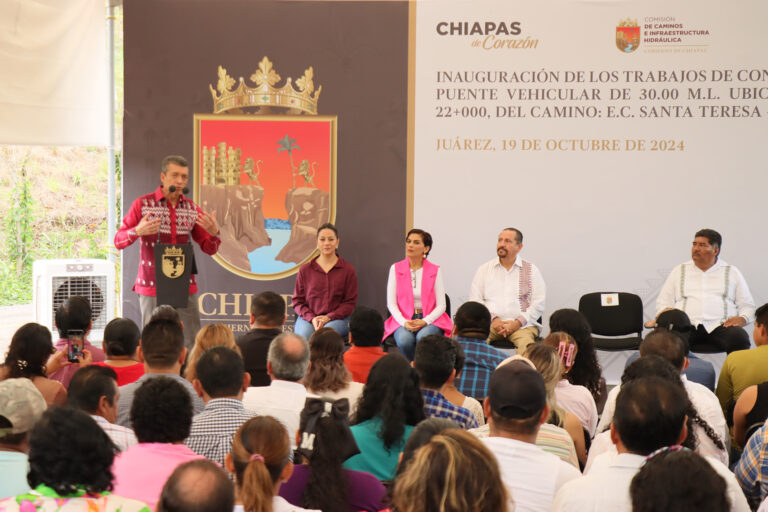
{"x": 578, "y": 401}
{"x": 141, "y": 470}
{"x": 65, "y": 374}
{"x": 177, "y": 224}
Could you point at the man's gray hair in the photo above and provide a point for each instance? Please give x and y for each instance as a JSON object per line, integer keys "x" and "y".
{"x": 288, "y": 365}
{"x": 173, "y": 159}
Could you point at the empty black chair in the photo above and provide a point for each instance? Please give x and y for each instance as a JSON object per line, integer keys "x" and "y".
{"x": 616, "y": 319}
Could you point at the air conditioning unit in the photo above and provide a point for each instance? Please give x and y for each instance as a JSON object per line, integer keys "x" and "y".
{"x": 54, "y": 281}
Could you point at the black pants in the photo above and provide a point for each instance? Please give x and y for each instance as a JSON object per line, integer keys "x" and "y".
{"x": 722, "y": 339}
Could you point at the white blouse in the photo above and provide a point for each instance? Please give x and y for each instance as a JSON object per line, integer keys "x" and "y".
{"x": 416, "y": 284}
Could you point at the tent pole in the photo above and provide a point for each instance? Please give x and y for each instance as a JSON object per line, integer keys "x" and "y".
{"x": 111, "y": 196}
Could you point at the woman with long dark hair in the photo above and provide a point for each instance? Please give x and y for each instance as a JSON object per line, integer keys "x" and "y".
{"x": 325, "y": 442}
{"x": 327, "y": 376}
{"x": 326, "y": 288}
{"x": 391, "y": 405}
{"x": 28, "y": 357}
{"x": 571, "y": 397}
{"x": 586, "y": 371}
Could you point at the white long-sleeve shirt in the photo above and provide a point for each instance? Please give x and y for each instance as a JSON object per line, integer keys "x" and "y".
{"x": 708, "y": 297}
{"x": 514, "y": 294}
{"x": 606, "y": 487}
{"x": 706, "y": 405}
{"x": 394, "y": 310}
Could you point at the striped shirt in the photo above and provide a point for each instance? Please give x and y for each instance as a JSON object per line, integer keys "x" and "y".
{"x": 123, "y": 437}
{"x": 551, "y": 438}
{"x": 213, "y": 429}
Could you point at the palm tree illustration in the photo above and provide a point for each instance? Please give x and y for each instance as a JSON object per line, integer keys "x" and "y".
{"x": 288, "y": 144}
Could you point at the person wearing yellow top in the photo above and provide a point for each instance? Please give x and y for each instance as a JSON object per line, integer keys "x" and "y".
{"x": 745, "y": 368}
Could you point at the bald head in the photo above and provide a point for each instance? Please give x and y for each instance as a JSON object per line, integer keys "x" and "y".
{"x": 197, "y": 486}
{"x": 288, "y": 357}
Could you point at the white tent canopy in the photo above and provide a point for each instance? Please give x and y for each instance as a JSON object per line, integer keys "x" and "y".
{"x": 53, "y": 57}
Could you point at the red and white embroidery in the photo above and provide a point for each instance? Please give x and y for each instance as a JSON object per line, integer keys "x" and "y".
{"x": 186, "y": 216}
{"x": 526, "y": 286}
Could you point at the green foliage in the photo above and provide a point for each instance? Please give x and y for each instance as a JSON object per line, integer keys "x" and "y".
{"x": 31, "y": 233}
{"x": 16, "y": 289}
{"x": 34, "y": 233}
{"x": 20, "y": 218}
{"x": 287, "y": 144}
{"x": 104, "y": 169}
{"x": 16, "y": 263}
{"x": 66, "y": 240}
{"x": 61, "y": 239}
{"x": 53, "y": 185}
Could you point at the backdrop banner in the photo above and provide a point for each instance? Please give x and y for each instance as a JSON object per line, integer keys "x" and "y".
{"x": 607, "y": 132}
{"x": 358, "y": 53}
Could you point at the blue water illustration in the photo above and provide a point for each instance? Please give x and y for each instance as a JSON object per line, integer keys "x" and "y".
{"x": 263, "y": 259}
{"x": 277, "y": 224}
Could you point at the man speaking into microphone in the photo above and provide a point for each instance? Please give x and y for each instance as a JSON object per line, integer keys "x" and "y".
{"x": 165, "y": 216}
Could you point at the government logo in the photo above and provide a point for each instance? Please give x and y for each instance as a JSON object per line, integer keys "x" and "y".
{"x": 628, "y": 36}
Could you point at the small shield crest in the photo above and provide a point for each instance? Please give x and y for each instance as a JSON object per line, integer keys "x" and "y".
{"x": 628, "y": 36}
{"x": 173, "y": 262}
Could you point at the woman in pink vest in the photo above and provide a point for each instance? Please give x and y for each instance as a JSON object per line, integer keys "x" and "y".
{"x": 415, "y": 296}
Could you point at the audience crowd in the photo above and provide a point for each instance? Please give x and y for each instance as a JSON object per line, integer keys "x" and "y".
{"x": 351, "y": 421}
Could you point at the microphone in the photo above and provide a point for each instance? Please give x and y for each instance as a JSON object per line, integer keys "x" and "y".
{"x": 173, "y": 189}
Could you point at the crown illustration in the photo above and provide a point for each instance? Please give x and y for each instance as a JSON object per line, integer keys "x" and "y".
{"x": 629, "y": 22}
{"x": 173, "y": 251}
{"x": 265, "y": 94}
